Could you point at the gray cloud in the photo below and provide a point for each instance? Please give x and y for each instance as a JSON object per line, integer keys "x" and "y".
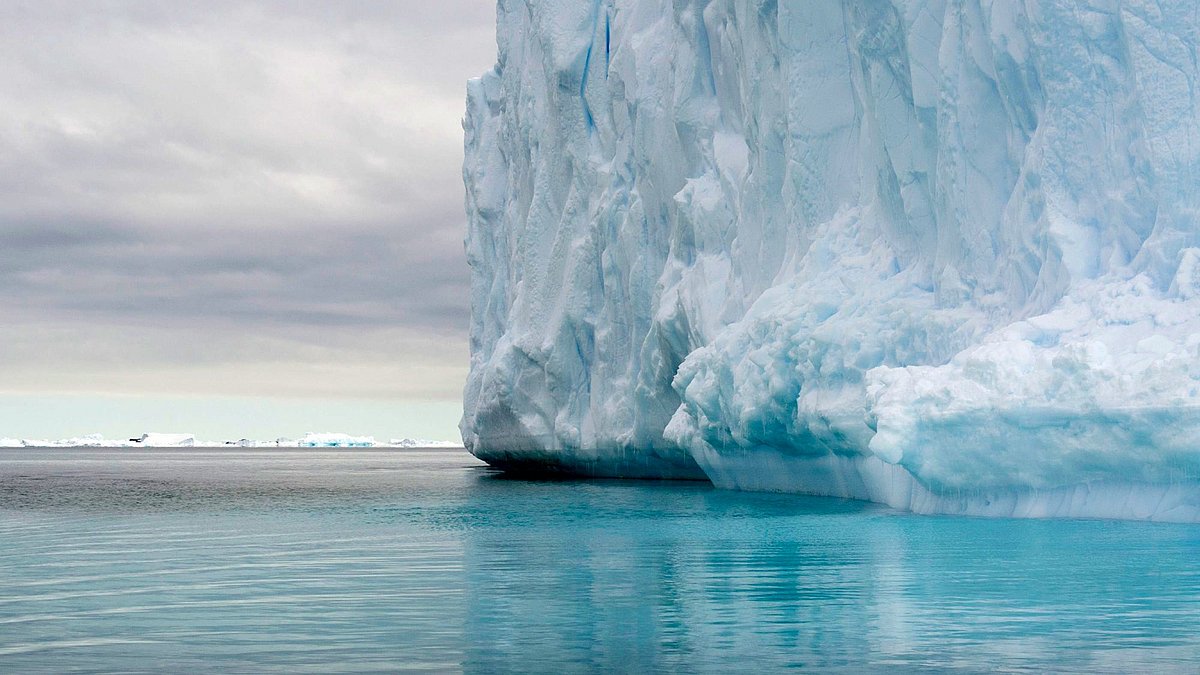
{"x": 247, "y": 187}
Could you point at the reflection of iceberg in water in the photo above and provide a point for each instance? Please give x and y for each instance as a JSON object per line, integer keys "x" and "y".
{"x": 632, "y": 578}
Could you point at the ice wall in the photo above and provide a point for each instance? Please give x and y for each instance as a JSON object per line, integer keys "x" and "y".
{"x": 939, "y": 254}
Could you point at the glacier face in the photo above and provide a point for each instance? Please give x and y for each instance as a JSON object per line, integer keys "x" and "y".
{"x": 941, "y": 254}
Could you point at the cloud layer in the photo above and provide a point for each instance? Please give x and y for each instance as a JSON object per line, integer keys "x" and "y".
{"x": 213, "y": 197}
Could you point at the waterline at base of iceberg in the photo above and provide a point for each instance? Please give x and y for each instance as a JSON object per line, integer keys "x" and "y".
{"x": 869, "y": 479}
{"x": 607, "y": 463}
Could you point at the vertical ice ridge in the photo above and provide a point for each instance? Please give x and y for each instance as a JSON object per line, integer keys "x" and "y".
{"x": 951, "y": 237}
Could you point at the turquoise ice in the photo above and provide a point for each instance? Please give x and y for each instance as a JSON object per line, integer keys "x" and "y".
{"x": 942, "y": 255}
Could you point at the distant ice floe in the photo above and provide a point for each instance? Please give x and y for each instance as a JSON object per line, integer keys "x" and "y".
{"x": 422, "y": 443}
{"x": 335, "y": 440}
{"x": 178, "y": 440}
{"x": 160, "y": 440}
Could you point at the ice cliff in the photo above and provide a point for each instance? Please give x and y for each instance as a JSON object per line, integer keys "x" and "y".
{"x": 940, "y": 254}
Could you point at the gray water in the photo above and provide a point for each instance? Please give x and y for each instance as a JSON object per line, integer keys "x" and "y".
{"x": 252, "y": 560}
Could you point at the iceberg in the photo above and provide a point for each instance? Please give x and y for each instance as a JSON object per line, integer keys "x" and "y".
{"x": 87, "y": 441}
{"x": 942, "y": 255}
{"x": 157, "y": 440}
{"x": 160, "y": 440}
{"x": 335, "y": 440}
{"x": 171, "y": 440}
{"x": 422, "y": 443}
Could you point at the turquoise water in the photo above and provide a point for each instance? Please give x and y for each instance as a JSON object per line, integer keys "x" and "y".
{"x": 253, "y": 560}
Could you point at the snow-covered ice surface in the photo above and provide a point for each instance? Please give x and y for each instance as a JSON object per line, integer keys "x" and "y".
{"x": 943, "y": 255}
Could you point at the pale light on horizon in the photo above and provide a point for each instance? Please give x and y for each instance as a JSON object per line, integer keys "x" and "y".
{"x": 229, "y": 418}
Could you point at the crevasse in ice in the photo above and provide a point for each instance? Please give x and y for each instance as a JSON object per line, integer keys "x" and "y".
{"x": 940, "y": 254}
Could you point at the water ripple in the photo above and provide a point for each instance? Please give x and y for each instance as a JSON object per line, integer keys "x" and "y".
{"x": 334, "y": 562}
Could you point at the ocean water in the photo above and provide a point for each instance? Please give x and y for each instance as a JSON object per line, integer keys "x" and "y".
{"x": 388, "y": 560}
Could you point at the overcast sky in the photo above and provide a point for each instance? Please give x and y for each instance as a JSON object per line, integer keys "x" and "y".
{"x": 206, "y": 202}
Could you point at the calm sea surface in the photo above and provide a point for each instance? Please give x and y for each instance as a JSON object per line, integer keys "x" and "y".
{"x": 300, "y": 560}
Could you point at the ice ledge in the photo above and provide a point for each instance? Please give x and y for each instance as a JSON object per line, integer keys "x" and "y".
{"x": 871, "y": 479}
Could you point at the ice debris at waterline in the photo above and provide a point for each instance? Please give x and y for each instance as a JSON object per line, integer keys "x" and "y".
{"x": 941, "y": 255}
